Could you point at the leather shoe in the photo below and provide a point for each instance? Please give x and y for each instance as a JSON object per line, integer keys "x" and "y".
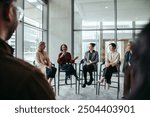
{"x": 90, "y": 82}
{"x": 84, "y": 85}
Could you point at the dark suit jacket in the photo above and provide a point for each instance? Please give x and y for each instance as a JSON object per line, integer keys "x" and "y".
{"x": 94, "y": 59}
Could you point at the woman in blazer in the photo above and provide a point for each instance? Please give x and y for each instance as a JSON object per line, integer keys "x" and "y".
{"x": 42, "y": 61}
{"x": 128, "y": 81}
{"x": 64, "y": 58}
{"x": 91, "y": 59}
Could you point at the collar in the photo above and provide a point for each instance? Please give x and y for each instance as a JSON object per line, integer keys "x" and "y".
{"x": 6, "y": 49}
{"x": 92, "y": 51}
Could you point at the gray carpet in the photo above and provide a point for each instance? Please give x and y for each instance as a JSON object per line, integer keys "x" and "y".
{"x": 89, "y": 93}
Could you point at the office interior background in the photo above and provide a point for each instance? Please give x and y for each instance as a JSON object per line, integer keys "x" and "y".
{"x": 77, "y": 23}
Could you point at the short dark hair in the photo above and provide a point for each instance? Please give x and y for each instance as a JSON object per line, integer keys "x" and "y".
{"x": 113, "y": 45}
{"x": 63, "y": 45}
{"x": 92, "y": 44}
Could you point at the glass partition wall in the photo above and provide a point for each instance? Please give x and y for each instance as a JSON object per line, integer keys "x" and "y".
{"x": 106, "y": 21}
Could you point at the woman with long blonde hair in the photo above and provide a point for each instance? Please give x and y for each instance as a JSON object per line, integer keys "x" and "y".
{"x": 43, "y": 62}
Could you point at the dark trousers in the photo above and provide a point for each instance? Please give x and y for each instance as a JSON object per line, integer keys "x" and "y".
{"x": 107, "y": 73}
{"x": 50, "y": 72}
{"x": 69, "y": 69}
{"x": 128, "y": 81}
{"x": 90, "y": 69}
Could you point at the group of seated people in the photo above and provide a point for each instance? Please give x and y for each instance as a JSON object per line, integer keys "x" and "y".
{"x": 65, "y": 61}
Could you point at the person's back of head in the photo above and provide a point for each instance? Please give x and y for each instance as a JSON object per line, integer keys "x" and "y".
{"x": 141, "y": 65}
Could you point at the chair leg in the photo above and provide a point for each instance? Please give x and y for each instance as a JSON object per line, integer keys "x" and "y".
{"x": 58, "y": 81}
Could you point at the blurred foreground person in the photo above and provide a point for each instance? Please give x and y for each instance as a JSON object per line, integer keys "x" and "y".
{"x": 18, "y": 79}
{"x": 141, "y": 66}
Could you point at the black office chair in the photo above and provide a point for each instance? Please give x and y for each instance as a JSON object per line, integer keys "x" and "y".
{"x": 60, "y": 80}
{"x": 117, "y": 74}
{"x": 81, "y": 79}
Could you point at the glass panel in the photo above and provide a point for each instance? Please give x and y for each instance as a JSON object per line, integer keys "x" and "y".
{"x": 108, "y": 35}
{"x": 31, "y": 41}
{"x": 124, "y": 34}
{"x": 33, "y": 12}
{"x": 82, "y": 39}
{"x": 133, "y": 11}
{"x": 89, "y": 13}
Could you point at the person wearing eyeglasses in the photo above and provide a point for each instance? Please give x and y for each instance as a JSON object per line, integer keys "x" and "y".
{"x": 18, "y": 79}
{"x": 65, "y": 61}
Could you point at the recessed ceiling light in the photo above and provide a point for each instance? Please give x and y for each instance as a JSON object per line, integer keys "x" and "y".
{"x": 106, "y": 7}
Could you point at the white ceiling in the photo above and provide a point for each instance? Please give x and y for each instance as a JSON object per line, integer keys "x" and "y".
{"x": 103, "y": 10}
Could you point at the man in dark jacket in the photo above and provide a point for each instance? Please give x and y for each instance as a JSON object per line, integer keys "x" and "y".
{"x": 18, "y": 79}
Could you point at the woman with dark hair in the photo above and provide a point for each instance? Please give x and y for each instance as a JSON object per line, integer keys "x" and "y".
{"x": 128, "y": 81}
{"x": 111, "y": 62}
{"x": 43, "y": 62}
{"x": 64, "y": 60}
{"x": 141, "y": 65}
{"x": 91, "y": 58}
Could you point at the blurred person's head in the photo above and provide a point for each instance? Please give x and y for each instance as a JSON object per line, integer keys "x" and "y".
{"x": 91, "y": 46}
{"x": 141, "y": 65}
{"x": 112, "y": 47}
{"x": 8, "y": 18}
{"x": 41, "y": 46}
{"x": 130, "y": 45}
{"x": 63, "y": 48}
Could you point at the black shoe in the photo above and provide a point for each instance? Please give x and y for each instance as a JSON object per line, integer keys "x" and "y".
{"x": 90, "y": 82}
{"x": 123, "y": 98}
{"x": 84, "y": 85}
{"x": 77, "y": 78}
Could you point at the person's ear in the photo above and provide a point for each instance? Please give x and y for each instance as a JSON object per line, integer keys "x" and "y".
{"x": 6, "y": 12}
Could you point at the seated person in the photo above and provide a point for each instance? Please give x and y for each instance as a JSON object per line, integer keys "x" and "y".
{"x": 111, "y": 62}
{"x": 43, "y": 62}
{"x": 91, "y": 58}
{"x": 64, "y": 58}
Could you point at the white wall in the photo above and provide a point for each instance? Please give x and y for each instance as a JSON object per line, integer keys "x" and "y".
{"x": 59, "y": 26}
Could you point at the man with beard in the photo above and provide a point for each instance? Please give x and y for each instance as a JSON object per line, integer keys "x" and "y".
{"x": 18, "y": 79}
